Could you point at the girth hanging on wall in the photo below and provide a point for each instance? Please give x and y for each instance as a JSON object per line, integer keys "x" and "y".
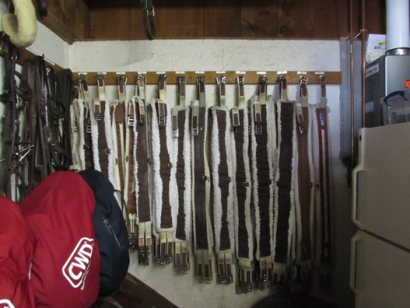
{"x": 137, "y": 117}
{"x": 85, "y": 96}
{"x": 222, "y": 188}
{"x": 321, "y": 150}
{"x": 165, "y": 193}
{"x": 201, "y": 186}
{"x": 182, "y": 149}
{"x": 263, "y": 136}
{"x": 304, "y": 184}
{"x": 285, "y": 190}
{"x": 117, "y": 116}
{"x": 244, "y": 242}
{"x": 101, "y": 131}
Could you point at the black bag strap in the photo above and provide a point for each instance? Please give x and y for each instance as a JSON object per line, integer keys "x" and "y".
{"x": 148, "y": 10}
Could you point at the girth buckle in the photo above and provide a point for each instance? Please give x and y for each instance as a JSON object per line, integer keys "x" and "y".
{"x": 162, "y": 113}
{"x": 195, "y": 120}
{"x": 174, "y": 120}
{"x": 235, "y": 117}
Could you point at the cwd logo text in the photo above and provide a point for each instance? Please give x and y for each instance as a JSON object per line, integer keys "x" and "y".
{"x": 5, "y": 303}
{"x": 76, "y": 268}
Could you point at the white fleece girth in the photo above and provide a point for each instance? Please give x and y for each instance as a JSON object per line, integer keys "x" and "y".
{"x": 292, "y": 216}
{"x": 116, "y": 181}
{"x": 248, "y": 215}
{"x": 255, "y": 179}
{"x": 247, "y": 204}
{"x": 186, "y": 155}
{"x": 157, "y": 181}
{"x": 208, "y": 188}
{"x": 217, "y": 195}
{"x": 272, "y": 160}
{"x": 21, "y": 26}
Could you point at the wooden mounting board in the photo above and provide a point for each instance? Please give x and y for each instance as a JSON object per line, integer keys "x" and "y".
{"x": 250, "y": 77}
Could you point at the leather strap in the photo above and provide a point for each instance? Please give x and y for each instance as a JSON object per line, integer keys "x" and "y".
{"x": 42, "y": 7}
{"x": 15, "y": 146}
{"x": 323, "y": 98}
{"x": 148, "y": 13}
{"x": 304, "y": 199}
{"x": 120, "y": 132}
{"x": 323, "y": 187}
{"x": 58, "y": 108}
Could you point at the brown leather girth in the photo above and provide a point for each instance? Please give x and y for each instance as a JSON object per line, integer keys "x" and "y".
{"x": 305, "y": 186}
{"x": 88, "y": 148}
{"x": 103, "y": 150}
{"x": 240, "y": 177}
{"x": 131, "y": 200}
{"x": 201, "y": 231}
{"x": 165, "y": 171}
{"x": 263, "y": 177}
{"x": 321, "y": 118}
{"x": 120, "y": 120}
{"x": 285, "y": 181}
{"x": 224, "y": 180}
{"x": 180, "y": 175}
{"x": 143, "y": 204}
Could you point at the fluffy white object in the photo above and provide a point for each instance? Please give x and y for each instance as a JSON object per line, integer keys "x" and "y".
{"x": 21, "y": 26}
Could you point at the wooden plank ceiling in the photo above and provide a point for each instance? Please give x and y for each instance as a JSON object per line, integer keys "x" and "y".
{"x": 192, "y": 19}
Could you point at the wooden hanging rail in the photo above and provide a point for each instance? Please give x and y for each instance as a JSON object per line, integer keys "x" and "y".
{"x": 251, "y": 77}
{"x": 23, "y": 54}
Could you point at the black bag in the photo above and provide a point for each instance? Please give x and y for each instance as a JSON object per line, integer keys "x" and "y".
{"x": 110, "y": 231}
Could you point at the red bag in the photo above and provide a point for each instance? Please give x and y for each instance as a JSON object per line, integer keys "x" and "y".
{"x": 66, "y": 263}
{"x": 16, "y": 252}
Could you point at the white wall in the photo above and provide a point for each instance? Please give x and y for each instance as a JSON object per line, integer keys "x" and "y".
{"x": 229, "y": 55}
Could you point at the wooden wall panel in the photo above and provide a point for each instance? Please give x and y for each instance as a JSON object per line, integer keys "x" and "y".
{"x": 259, "y": 18}
{"x": 111, "y": 20}
{"x": 296, "y": 19}
{"x": 342, "y": 18}
{"x": 175, "y": 19}
{"x": 222, "y": 18}
{"x": 67, "y": 18}
{"x": 179, "y": 19}
{"x": 325, "y": 19}
{"x": 376, "y": 16}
